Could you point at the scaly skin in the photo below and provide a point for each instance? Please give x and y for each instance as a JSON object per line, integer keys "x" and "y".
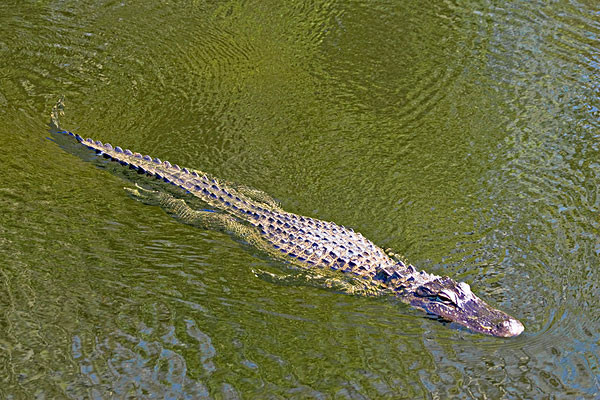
{"x": 307, "y": 242}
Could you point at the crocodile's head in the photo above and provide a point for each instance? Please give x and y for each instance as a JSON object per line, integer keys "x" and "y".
{"x": 455, "y": 302}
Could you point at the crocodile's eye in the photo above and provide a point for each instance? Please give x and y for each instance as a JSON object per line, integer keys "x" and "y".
{"x": 446, "y": 298}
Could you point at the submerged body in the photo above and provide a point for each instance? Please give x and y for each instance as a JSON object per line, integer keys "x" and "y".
{"x": 308, "y": 242}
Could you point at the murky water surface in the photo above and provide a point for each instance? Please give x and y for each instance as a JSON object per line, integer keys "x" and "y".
{"x": 464, "y": 136}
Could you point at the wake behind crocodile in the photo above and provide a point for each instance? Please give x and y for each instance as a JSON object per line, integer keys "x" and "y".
{"x": 310, "y": 243}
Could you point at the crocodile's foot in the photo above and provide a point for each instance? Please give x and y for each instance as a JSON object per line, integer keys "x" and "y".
{"x": 146, "y": 196}
{"x": 291, "y": 279}
{"x": 258, "y": 195}
{"x": 395, "y": 256}
{"x": 306, "y": 278}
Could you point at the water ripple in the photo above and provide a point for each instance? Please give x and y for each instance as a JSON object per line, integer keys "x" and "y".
{"x": 463, "y": 135}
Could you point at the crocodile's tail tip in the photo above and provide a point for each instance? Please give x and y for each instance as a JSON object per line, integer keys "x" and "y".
{"x": 57, "y": 112}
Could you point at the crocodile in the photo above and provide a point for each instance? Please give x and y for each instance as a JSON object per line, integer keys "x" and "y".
{"x": 311, "y": 244}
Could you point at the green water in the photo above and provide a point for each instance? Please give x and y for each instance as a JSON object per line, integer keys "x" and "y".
{"x": 464, "y": 136}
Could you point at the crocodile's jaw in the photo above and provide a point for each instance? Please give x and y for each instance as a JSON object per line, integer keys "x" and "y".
{"x": 455, "y": 302}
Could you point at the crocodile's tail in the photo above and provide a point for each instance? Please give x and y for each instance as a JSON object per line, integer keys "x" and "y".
{"x": 153, "y": 166}
{"x": 200, "y": 185}
{"x": 57, "y": 112}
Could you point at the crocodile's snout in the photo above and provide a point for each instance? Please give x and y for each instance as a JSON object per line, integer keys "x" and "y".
{"x": 454, "y": 301}
{"x": 511, "y": 327}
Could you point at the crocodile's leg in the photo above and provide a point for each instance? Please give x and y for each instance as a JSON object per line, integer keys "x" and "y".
{"x": 311, "y": 279}
{"x": 396, "y": 257}
{"x": 254, "y": 194}
{"x": 180, "y": 210}
{"x": 258, "y": 195}
{"x": 200, "y": 218}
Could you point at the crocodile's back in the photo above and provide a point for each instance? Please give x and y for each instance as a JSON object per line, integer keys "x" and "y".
{"x": 320, "y": 243}
{"x": 309, "y": 241}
